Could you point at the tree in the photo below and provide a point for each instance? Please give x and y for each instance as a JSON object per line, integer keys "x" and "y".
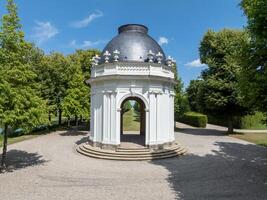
{"x": 82, "y": 59}
{"x": 126, "y": 106}
{"x": 193, "y": 94}
{"x": 219, "y": 90}
{"x": 180, "y": 101}
{"x": 136, "y": 106}
{"x": 76, "y": 102}
{"x": 253, "y": 78}
{"x": 20, "y": 104}
{"x": 54, "y": 74}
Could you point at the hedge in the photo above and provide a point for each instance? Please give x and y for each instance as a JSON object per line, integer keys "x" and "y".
{"x": 194, "y": 119}
{"x": 255, "y": 121}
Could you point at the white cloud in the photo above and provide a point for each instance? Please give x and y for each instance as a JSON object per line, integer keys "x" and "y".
{"x": 163, "y": 40}
{"x": 195, "y": 63}
{"x": 43, "y": 31}
{"x": 86, "y": 21}
{"x": 86, "y": 44}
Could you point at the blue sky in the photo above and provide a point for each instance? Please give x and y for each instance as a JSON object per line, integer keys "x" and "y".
{"x": 64, "y": 25}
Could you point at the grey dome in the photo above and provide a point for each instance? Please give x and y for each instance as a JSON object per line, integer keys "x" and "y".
{"x": 133, "y": 43}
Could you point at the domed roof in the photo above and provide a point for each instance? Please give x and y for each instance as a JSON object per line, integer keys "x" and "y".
{"x": 133, "y": 43}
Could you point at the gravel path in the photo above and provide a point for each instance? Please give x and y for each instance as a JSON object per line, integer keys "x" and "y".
{"x": 218, "y": 167}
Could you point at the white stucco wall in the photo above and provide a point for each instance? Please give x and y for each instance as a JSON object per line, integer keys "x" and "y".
{"x": 109, "y": 90}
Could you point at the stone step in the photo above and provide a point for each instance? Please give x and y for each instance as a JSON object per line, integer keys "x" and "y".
{"x": 124, "y": 149}
{"x": 123, "y": 153}
{"x": 115, "y": 156}
{"x": 132, "y": 158}
{"x": 129, "y": 154}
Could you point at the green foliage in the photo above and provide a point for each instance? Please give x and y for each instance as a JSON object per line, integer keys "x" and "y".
{"x": 192, "y": 92}
{"x": 76, "y": 101}
{"x": 20, "y": 105}
{"x": 252, "y": 121}
{"x": 126, "y": 106}
{"x": 255, "y": 121}
{"x": 221, "y": 120}
{"x": 136, "y": 106}
{"x": 253, "y": 78}
{"x": 83, "y": 59}
{"x": 194, "y": 119}
{"x": 181, "y": 104}
{"x": 218, "y": 92}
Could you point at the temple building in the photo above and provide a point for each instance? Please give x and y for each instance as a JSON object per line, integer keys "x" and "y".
{"x": 134, "y": 67}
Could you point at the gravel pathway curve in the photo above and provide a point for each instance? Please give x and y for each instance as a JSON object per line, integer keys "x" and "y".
{"x": 217, "y": 167}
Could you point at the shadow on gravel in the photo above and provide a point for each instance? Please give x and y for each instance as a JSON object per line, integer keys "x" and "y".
{"x": 234, "y": 172}
{"x": 82, "y": 140}
{"x": 73, "y": 133}
{"x": 201, "y": 131}
{"x": 17, "y": 159}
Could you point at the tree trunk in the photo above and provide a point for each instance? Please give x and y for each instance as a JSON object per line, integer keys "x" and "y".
{"x": 76, "y": 120}
{"x": 230, "y": 125}
{"x": 49, "y": 116}
{"x": 3, "y": 162}
{"x": 59, "y": 116}
{"x": 88, "y": 124}
{"x": 68, "y": 121}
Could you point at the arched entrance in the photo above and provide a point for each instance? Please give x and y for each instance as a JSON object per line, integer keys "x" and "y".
{"x": 133, "y": 117}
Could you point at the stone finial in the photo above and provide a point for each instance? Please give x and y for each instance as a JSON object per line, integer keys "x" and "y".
{"x": 97, "y": 59}
{"x": 159, "y": 57}
{"x": 106, "y": 55}
{"x": 116, "y": 54}
{"x": 169, "y": 61}
{"x": 150, "y": 56}
{"x": 93, "y": 61}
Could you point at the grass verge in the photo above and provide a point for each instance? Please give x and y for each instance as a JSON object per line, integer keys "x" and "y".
{"x": 13, "y": 140}
{"x": 131, "y": 121}
{"x": 257, "y": 138}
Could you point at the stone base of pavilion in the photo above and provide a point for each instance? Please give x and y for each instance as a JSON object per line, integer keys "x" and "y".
{"x": 131, "y": 151}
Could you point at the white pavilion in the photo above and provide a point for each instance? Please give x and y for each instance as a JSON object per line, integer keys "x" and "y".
{"x": 132, "y": 66}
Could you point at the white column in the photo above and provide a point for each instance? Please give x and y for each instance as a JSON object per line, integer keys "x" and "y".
{"x": 118, "y": 126}
{"x": 152, "y": 118}
{"x": 147, "y": 133}
{"x": 158, "y": 118}
{"x": 113, "y": 114}
{"x": 171, "y": 132}
{"x": 105, "y": 117}
{"x": 98, "y": 124}
{"x": 92, "y": 117}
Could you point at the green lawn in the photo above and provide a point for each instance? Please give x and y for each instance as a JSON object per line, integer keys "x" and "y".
{"x": 257, "y": 138}
{"x": 17, "y": 139}
{"x": 131, "y": 121}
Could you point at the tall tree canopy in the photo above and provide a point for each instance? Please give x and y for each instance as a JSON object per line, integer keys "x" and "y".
{"x": 193, "y": 94}
{"x": 181, "y": 104}
{"x": 219, "y": 91}
{"x": 76, "y": 102}
{"x": 54, "y": 74}
{"x": 253, "y": 79}
{"x": 20, "y": 104}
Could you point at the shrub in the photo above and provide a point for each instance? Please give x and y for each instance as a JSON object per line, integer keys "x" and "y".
{"x": 222, "y": 121}
{"x": 194, "y": 119}
{"x": 256, "y": 121}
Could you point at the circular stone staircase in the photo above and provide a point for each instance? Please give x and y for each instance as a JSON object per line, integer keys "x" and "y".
{"x": 133, "y": 154}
